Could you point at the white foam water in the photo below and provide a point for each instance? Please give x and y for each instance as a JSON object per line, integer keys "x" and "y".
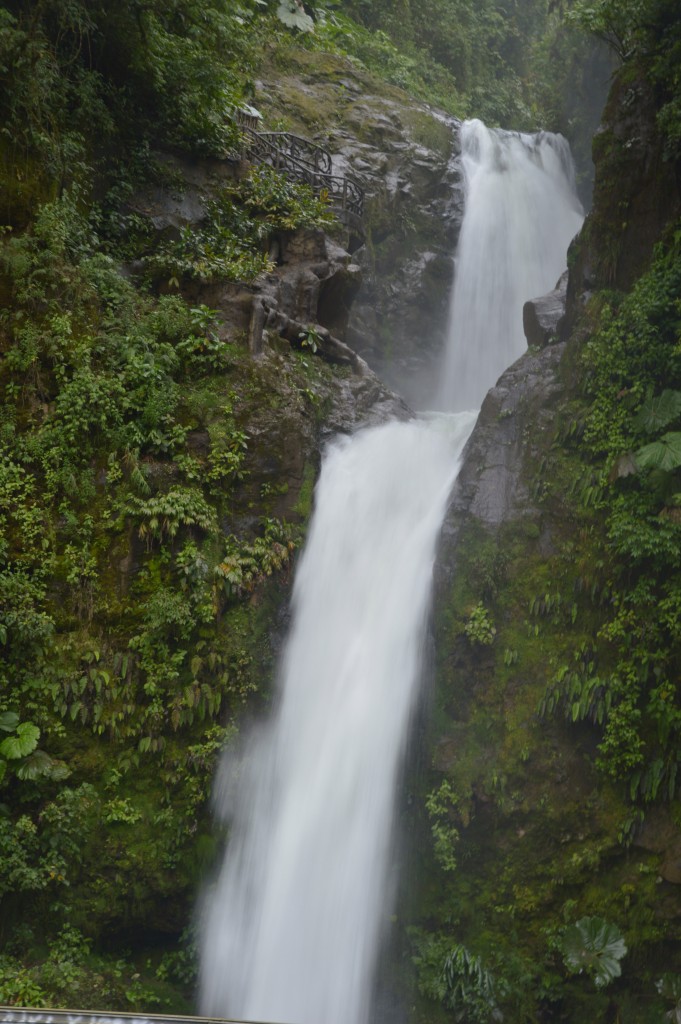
{"x": 521, "y": 212}
{"x": 293, "y": 924}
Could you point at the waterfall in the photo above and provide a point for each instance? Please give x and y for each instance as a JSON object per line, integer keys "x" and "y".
{"x": 521, "y": 213}
{"x": 292, "y": 925}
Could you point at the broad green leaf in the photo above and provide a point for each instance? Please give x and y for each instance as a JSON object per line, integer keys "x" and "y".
{"x": 293, "y": 16}
{"x": 3, "y": 769}
{"x": 663, "y": 454}
{"x": 9, "y": 720}
{"x": 657, "y": 413}
{"x": 25, "y": 742}
{"x": 36, "y": 764}
{"x": 595, "y": 946}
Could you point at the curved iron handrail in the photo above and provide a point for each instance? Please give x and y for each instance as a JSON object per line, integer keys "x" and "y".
{"x": 301, "y": 149}
{"x": 303, "y": 160}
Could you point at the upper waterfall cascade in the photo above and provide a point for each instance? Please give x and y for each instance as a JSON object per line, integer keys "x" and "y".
{"x": 521, "y": 212}
{"x": 293, "y": 922}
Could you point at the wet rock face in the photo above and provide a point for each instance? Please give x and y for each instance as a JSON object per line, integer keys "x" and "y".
{"x": 492, "y": 486}
{"x": 295, "y": 382}
{"x": 170, "y": 209}
{"x": 662, "y": 836}
{"x": 405, "y": 155}
{"x": 637, "y": 193}
{"x": 381, "y": 299}
{"x": 311, "y": 288}
{"x": 400, "y": 315}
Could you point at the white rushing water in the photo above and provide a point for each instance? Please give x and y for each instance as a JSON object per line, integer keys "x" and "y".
{"x": 521, "y": 213}
{"x": 293, "y": 925}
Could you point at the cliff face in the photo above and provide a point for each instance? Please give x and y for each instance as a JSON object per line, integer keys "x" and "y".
{"x": 637, "y": 192}
{"x": 527, "y": 833}
{"x": 405, "y": 155}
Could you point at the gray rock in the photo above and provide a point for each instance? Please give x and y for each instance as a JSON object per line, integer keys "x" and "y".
{"x": 170, "y": 209}
{"x": 313, "y": 285}
{"x": 492, "y": 486}
{"x": 542, "y": 316}
{"x": 407, "y": 156}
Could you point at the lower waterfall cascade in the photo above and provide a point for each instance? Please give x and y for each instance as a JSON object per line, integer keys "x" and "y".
{"x": 304, "y": 881}
{"x": 292, "y": 925}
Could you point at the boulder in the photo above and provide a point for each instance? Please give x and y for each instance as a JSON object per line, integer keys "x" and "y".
{"x": 542, "y": 316}
{"x": 492, "y": 486}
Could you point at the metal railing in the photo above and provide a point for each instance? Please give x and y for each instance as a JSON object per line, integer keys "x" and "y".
{"x": 303, "y": 160}
{"x": 45, "y": 1015}
{"x": 299, "y": 149}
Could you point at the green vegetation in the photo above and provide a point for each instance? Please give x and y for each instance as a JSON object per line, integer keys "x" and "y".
{"x": 140, "y": 550}
{"x": 644, "y": 33}
{"x": 519, "y": 65}
{"x": 596, "y": 947}
{"x": 145, "y": 492}
{"x": 561, "y": 735}
{"x": 555, "y": 792}
{"x": 123, "y": 642}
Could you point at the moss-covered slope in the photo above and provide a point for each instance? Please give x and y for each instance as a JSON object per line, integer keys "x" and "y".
{"x": 551, "y": 810}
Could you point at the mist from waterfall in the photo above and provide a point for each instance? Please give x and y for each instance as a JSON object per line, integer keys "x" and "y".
{"x": 521, "y": 212}
{"x": 292, "y": 924}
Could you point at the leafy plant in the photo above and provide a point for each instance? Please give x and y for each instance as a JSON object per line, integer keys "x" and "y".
{"x": 664, "y": 454}
{"x": 657, "y": 412}
{"x": 669, "y": 987}
{"x": 18, "y": 986}
{"x": 212, "y": 252}
{"x": 310, "y": 338}
{"x": 244, "y": 565}
{"x": 280, "y": 203}
{"x": 471, "y": 990}
{"x": 622, "y": 684}
{"x": 162, "y": 515}
{"x": 292, "y": 14}
{"x": 19, "y": 752}
{"x": 594, "y": 946}
{"x": 480, "y": 629}
{"x": 441, "y": 805}
{"x": 617, "y": 23}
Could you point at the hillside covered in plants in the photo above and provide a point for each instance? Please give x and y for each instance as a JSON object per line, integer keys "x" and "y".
{"x": 551, "y": 888}
{"x": 156, "y": 475}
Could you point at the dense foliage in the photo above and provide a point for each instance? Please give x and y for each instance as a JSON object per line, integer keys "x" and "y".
{"x": 630, "y": 684}
{"x": 557, "y": 799}
{"x": 521, "y": 65}
{"x": 645, "y": 34}
{"x": 119, "y": 583}
{"x": 127, "y": 554}
{"x": 136, "y": 538}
